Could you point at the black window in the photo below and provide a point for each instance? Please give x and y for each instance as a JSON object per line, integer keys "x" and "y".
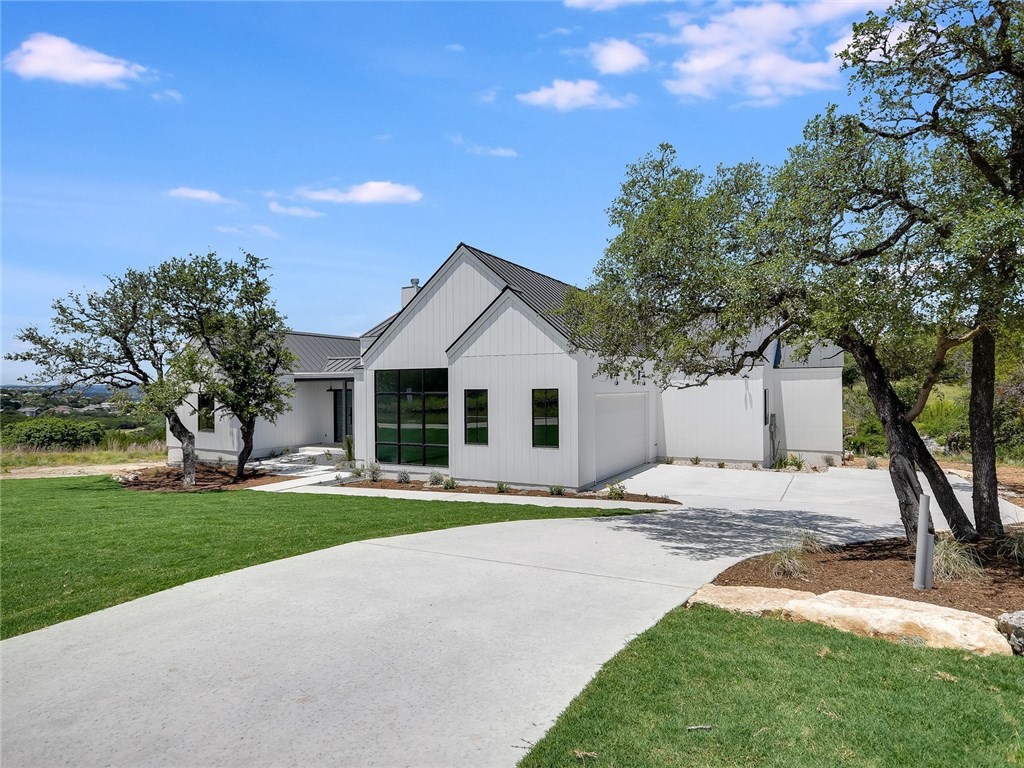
{"x": 476, "y": 417}
{"x": 411, "y": 416}
{"x": 545, "y": 418}
{"x": 206, "y": 421}
{"x": 766, "y": 407}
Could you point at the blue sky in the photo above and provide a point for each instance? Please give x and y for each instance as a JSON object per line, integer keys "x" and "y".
{"x": 354, "y": 145}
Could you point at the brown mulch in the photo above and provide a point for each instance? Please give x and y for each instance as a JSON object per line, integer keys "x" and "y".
{"x": 422, "y": 485}
{"x": 886, "y": 567}
{"x": 208, "y": 478}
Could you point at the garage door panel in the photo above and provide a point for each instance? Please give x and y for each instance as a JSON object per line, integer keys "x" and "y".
{"x": 621, "y": 421}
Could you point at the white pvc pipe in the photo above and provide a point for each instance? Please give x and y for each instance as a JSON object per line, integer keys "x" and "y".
{"x": 925, "y": 546}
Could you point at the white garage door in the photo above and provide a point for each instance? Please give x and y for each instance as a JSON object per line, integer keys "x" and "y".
{"x": 621, "y": 432}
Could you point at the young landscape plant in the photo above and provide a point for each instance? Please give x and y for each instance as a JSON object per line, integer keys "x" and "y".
{"x": 617, "y": 491}
{"x": 502, "y": 487}
{"x": 374, "y": 472}
{"x": 556, "y": 490}
{"x": 436, "y": 478}
{"x": 450, "y": 483}
{"x": 402, "y": 477}
{"x": 955, "y": 561}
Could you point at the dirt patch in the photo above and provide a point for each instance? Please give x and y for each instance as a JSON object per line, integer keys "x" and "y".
{"x": 208, "y": 478}
{"x": 80, "y": 470}
{"x": 886, "y": 567}
{"x": 422, "y": 485}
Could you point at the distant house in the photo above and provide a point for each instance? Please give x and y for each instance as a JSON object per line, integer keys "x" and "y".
{"x": 30, "y": 410}
{"x": 63, "y": 410}
{"x": 475, "y": 375}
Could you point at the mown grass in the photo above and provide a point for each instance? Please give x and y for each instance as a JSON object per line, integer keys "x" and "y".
{"x": 19, "y": 457}
{"x": 75, "y": 545}
{"x": 782, "y": 694}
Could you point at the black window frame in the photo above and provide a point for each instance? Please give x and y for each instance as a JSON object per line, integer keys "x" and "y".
{"x": 766, "y": 404}
{"x": 205, "y": 413}
{"x": 479, "y": 415}
{"x": 547, "y": 401}
{"x": 403, "y": 392}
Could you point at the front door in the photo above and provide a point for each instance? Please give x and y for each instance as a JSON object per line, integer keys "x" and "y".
{"x": 343, "y": 412}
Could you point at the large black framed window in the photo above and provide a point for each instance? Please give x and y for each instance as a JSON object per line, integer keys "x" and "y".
{"x": 476, "y": 417}
{"x": 411, "y": 416}
{"x": 545, "y": 418}
{"x": 207, "y": 422}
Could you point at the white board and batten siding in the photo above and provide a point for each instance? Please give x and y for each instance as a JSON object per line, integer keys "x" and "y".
{"x": 723, "y": 420}
{"x": 510, "y": 353}
{"x": 420, "y": 336}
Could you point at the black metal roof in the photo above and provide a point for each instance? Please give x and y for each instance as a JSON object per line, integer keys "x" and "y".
{"x": 380, "y": 327}
{"x": 313, "y": 350}
{"x": 541, "y": 293}
{"x": 343, "y": 364}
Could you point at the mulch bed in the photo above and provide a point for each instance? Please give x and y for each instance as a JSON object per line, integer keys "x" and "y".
{"x": 886, "y": 567}
{"x": 208, "y": 478}
{"x": 422, "y": 485}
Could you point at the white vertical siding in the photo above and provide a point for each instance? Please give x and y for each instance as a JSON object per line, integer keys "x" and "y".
{"x": 809, "y": 411}
{"x": 723, "y": 420}
{"x": 510, "y": 354}
{"x": 436, "y": 317}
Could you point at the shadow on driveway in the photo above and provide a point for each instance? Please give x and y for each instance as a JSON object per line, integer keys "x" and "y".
{"x": 710, "y": 533}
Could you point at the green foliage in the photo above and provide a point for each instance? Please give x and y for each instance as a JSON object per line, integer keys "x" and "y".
{"x": 830, "y": 460}
{"x": 450, "y": 483}
{"x": 374, "y": 472}
{"x": 503, "y": 487}
{"x": 402, "y": 477}
{"x": 795, "y": 461}
{"x": 786, "y": 563}
{"x": 1012, "y": 545}
{"x": 871, "y": 462}
{"x": 556, "y": 490}
{"x": 616, "y": 491}
{"x": 53, "y": 433}
{"x": 695, "y": 460}
{"x": 436, "y": 477}
{"x": 349, "y": 448}
{"x": 955, "y": 561}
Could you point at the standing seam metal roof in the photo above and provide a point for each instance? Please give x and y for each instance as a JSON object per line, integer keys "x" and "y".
{"x": 315, "y": 349}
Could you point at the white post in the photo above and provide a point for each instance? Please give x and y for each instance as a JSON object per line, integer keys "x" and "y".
{"x": 925, "y": 547}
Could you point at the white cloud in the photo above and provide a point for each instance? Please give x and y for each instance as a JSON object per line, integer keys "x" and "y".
{"x": 606, "y": 5}
{"x": 455, "y": 48}
{"x": 477, "y": 149}
{"x": 290, "y": 210}
{"x": 616, "y": 57}
{"x": 487, "y": 96}
{"x": 48, "y": 57}
{"x": 765, "y": 51}
{"x": 202, "y": 195}
{"x": 557, "y": 32}
{"x": 262, "y": 229}
{"x": 228, "y": 230}
{"x": 565, "y": 95}
{"x": 367, "y": 192}
{"x": 168, "y": 94}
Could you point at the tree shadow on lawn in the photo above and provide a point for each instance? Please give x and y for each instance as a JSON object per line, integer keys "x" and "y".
{"x": 710, "y": 533}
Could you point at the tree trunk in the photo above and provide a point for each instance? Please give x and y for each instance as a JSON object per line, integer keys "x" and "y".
{"x": 247, "y": 428}
{"x": 905, "y": 447}
{"x": 983, "y": 443}
{"x": 188, "y": 447}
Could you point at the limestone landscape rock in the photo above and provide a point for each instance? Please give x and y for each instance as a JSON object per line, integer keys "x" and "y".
{"x": 889, "y": 618}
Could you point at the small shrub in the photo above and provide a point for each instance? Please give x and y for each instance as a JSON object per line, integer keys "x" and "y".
{"x": 358, "y": 471}
{"x": 617, "y": 491}
{"x": 808, "y": 543}
{"x": 436, "y": 478}
{"x": 795, "y": 461}
{"x": 755, "y": 465}
{"x": 779, "y": 463}
{"x": 349, "y": 447}
{"x": 402, "y": 477}
{"x": 503, "y": 488}
{"x": 695, "y": 460}
{"x": 786, "y": 564}
{"x": 556, "y": 490}
{"x": 667, "y": 460}
{"x": 830, "y": 460}
{"x": 721, "y": 465}
{"x": 955, "y": 561}
{"x": 54, "y": 433}
{"x": 339, "y": 465}
{"x": 1013, "y": 545}
{"x": 374, "y": 472}
{"x": 871, "y": 463}
{"x": 450, "y": 483}
{"x": 311, "y": 459}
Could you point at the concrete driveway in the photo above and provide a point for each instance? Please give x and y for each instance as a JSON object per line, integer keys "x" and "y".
{"x": 451, "y": 648}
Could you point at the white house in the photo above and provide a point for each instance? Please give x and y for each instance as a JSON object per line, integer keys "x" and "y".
{"x": 474, "y": 375}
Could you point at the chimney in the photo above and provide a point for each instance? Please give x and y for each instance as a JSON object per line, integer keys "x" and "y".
{"x": 410, "y": 290}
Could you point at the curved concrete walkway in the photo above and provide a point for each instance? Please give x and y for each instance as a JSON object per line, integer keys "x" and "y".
{"x": 450, "y": 648}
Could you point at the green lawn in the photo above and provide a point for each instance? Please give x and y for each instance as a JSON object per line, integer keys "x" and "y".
{"x": 74, "y": 545}
{"x": 774, "y": 696}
